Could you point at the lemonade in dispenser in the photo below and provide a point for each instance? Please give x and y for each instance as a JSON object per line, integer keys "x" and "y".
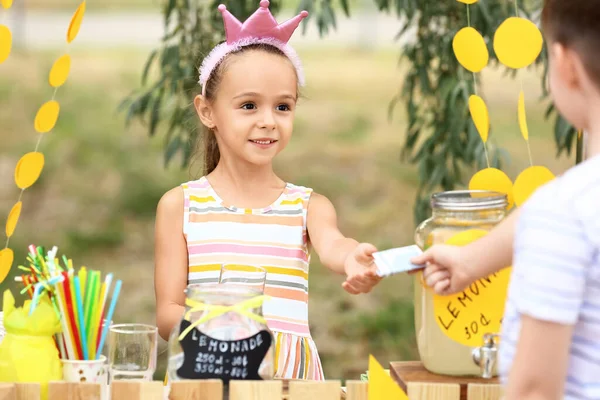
{"x": 452, "y": 329}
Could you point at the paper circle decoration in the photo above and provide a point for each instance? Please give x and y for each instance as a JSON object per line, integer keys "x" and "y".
{"x": 6, "y": 3}
{"x": 522, "y": 116}
{"x": 60, "y": 71}
{"x": 465, "y": 317}
{"x": 5, "y": 43}
{"x": 470, "y": 49}
{"x": 517, "y": 42}
{"x": 529, "y": 181}
{"x": 13, "y": 218}
{"x": 494, "y": 180}
{"x": 480, "y": 116}
{"x": 6, "y": 259}
{"x": 28, "y": 169}
{"x": 468, "y": 1}
{"x": 75, "y": 23}
{"x": 47, "y": 116}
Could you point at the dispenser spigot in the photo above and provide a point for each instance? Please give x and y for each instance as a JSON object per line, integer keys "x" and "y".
{"x": 486, "y": 356}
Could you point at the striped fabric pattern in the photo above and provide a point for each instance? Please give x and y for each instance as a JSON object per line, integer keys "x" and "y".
{"x": 274, "y": 238}
{"x": 556, "y": 273}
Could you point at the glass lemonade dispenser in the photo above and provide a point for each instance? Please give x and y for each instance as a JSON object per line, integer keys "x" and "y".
{"x": 456, "y": 213}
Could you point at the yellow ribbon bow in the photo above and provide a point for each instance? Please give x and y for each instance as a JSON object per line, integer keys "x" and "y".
{"x": 216, "y": 311}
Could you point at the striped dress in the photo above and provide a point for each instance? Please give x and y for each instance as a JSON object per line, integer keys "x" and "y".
{"x": 274, "y": 238}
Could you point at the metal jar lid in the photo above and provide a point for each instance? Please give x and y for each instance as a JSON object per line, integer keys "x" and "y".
{"x": 469, "y": 200}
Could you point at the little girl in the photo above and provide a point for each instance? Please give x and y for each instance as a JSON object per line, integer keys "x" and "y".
{"x": 241, "y": 212}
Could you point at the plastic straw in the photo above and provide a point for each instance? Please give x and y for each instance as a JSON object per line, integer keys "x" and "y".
{"x": 67, "y": 335}
{"x": 82, "y": 274}
{"x": 93, "y": 306}
{"x": 109, "y": 315}
{"x": 61, "y": 346}
{"x": 88, "y": 302}
{"x": 79, "y": 302}
{"x": 38, "y": 288}
{"x": 69, "y": 301}
{"x": 73, "y": 307}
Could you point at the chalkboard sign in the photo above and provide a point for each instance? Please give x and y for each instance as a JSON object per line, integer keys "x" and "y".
{"x": 209, "y": 358}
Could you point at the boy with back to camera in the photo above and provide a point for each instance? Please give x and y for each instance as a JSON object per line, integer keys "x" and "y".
{"x": 550, "y": 342}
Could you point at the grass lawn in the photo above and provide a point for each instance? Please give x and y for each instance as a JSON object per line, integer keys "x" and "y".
{"x": 98, "y": 192}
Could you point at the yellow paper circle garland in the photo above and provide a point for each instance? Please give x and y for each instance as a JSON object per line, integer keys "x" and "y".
{"x": 5, "y": 43}
{"x": 13, "y": 218}
{"x": 517, "y": 44}
{"x": 30, "y": 166}
{"x": 470, "y": 49}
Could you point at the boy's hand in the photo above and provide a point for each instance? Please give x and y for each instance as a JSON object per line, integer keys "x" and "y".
{"x": 447, "y": 270}
{"x": 361, "y": 270}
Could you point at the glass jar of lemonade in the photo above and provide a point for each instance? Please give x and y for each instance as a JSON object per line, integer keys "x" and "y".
{"x": 222, "y": 335}
{"x": 452, "y": 213}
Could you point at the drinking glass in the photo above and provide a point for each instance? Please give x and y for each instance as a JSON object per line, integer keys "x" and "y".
{"x": 244, "y": 275}
{"x": 132, "y": 351}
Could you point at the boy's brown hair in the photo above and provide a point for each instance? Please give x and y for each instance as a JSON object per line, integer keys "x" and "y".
{"x": 576, "y": 25}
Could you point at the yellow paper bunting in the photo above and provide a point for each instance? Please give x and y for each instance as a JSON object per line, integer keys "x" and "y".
{"x": 6, "y": 3}
{"x": 60, "y": 71}
{"x": 529, "y": 181}
{"x": 76, "y": 22}
{"x": 523, "y": 116}
{"x": 470, "y": 49}
{"x": 28, "y": 169}
{"x": 468, "y": 1}
{"x": 6, "y": 259}
{"x": 481, "y": 118}
{"x": 495, "y": 180}
{"x": 13, "y": 218}
{"x": 517, "y": 42}
{"x": 5, "y": 43}
{"x": 47, "y": 116}
{"x": 381, "y": 385}
{"x": 467, "y": 316}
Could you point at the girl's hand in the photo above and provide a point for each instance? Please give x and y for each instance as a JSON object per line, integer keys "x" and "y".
{"x": 361, "y": 270}
{"x": 447, "y": 270}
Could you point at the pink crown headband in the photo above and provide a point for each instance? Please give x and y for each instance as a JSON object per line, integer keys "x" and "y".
{"x": 260, "y": 28}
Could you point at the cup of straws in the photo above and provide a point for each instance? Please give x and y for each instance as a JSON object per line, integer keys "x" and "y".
{"x": 84, "y": 301}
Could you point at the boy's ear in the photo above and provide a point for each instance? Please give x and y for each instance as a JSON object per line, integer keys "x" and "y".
{"x": 566, "y": 62}
{"x": 204, "y": 111}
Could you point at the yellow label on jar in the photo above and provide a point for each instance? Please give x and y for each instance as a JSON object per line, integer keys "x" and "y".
{"x": 465, "y": 317}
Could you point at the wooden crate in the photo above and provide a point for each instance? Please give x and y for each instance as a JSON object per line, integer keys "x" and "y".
{"x": 238, "y": 390}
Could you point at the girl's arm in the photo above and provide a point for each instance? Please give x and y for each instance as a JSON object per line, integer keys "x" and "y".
{"x": 340, "y": 254}
{"x": 540, "y": 364}
{"x": 171, "y": 261}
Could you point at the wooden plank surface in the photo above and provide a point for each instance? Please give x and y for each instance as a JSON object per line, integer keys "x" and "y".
{"x": 321, "y": 390}
{"x": 129, "y": 390}
{"x": 73, "y": 391}
{"x": 8, "y": 391}
{"x": 484, "y": 392}
{"x": 255, "y": 390}
{"x": 28, "y": 391}
{"x": 406, "y": 372}
{"x": 210, "y": 389}
{"x": 433, "y": 391}
{"x": 357, "y": 390}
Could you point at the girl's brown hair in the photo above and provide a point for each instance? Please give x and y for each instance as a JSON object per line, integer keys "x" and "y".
{"x": 576, "y": 25}
{"x": 211, "y": 148}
